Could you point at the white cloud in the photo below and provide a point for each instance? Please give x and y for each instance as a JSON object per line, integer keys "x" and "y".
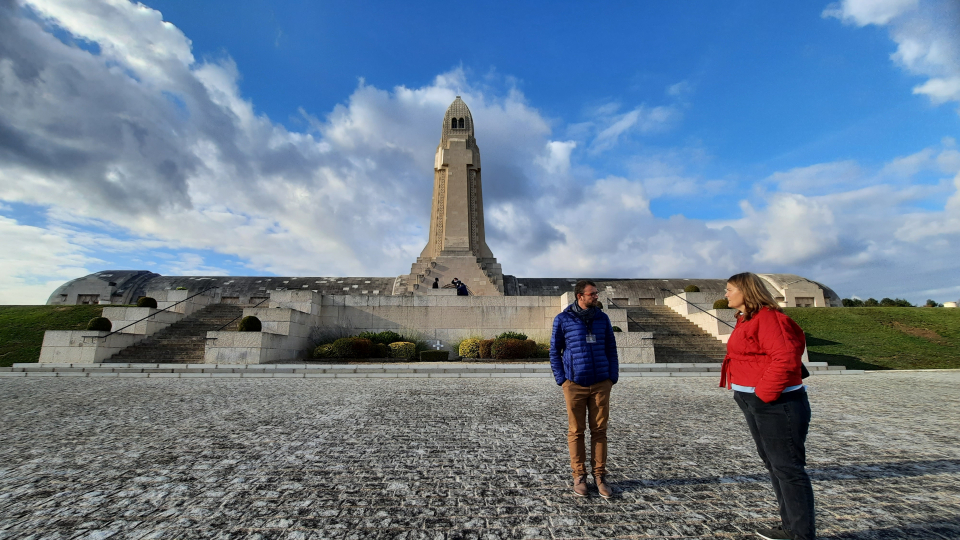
{"x": 36, "y": 261}
{"x": 166, "y": 155}
{"x": 864, "y": 12}
{"x": 927, "y": 36}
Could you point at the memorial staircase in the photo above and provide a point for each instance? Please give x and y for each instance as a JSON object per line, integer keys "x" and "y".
{"x": 184, "y": 341}
{"x": 484, "y": 277}
{"x": 675, "y": 339}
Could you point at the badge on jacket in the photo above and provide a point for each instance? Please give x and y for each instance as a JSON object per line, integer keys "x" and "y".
{"x": 591, "y": 338}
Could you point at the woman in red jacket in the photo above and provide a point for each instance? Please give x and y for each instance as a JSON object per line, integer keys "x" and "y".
{"x": 763, "y": 368}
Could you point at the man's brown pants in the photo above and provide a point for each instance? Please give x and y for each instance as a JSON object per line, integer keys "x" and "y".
{"x": 587, "y": 403}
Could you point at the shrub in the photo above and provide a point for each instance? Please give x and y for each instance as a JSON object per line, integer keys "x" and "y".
{"x": 100, "y": 324}
{"x": 403, "y": 349}
{"x": 542, "y": 351}
{"x": 691, "y": 288}
{"x": 722, "y": 303}
{"x": 485, "y": 346}
{"x": 181, "y": 288}
{"x": 470, "y": 348}
{"x": 386, "y": 337}
{"x": 434, "y": 356}
{"x": 147, "y": 301}
{"x": 382, "y": 350}
{"x": 353, "y": 347}
{"x": 512, "y": 335}
{"x": 249, "y": 324}
{"x": 617, "y": 329}
{"x": 324, "y": 351}
{"x": 509, "y": 349}
{"x": 854, "y": 302}
{"x": 871, "y": 302}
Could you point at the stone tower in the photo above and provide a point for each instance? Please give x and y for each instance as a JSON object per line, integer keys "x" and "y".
{"x": 457, "y": 246}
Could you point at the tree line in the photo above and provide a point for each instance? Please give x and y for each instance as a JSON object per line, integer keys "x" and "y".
{"x": 884, "y": 302}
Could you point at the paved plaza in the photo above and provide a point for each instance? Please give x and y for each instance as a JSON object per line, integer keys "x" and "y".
{"x": 457, "y": 458}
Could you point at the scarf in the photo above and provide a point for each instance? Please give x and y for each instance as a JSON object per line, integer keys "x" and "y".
{"x": 585, "y": 315}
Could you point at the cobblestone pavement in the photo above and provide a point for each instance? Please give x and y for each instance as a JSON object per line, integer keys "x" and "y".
{"x": 459, "y": 458}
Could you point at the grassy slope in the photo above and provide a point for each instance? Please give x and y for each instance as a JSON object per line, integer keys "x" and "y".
{"x": 882, "y": 338}
{"x": 22, "y": 327}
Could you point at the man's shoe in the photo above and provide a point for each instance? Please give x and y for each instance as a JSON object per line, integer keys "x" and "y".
{"x": 777, "y": 533}
{"x": 580, "y": 486}
{"x": 603, "y": 487}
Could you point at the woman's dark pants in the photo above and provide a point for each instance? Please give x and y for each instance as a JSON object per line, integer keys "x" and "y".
{"x": 780, "y": 430}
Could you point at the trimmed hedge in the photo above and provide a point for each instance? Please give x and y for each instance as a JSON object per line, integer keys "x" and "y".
{"x": 147, "y": 301}
{"x": 542, "y": 351}
{"x": 485, "y": 345}
{"x": 434, "y": 356}
{"x": 510, "y": 349}
{"x": 403, "y": 349}
{"x": 722, "y": 303}
{"x": 249, "y": 324}
{"x": 353, "y": 347}
{"x": 470, "y": 348}
{"x": 324, "y": 351}
{"x": 100, "y": 324}
{"x": 691, "y": 288}
{"x": 382, "y": 349}
{"x": 386, "y": 337}
{"x": 512, "y": 335}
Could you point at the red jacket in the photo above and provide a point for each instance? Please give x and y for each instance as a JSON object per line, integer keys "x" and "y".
{"x": 764, "y": 352}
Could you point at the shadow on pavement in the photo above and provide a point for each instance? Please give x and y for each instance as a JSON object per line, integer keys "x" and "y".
{"x": 866, "y": 471}
{"x": 948, "y": 528}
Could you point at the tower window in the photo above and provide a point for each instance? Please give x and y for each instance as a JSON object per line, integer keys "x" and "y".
{"x": 453, "y": 123}
{"x": 461, "y": 123}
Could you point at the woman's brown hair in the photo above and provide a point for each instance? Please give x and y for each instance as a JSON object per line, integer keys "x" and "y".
{"x": 755, "y": 294}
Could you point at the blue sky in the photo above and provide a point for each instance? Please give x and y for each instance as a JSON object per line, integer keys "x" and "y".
{"x": 694, "y": 139}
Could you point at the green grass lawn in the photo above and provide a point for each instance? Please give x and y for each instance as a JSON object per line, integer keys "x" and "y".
{"x": 882, "y": 338}
{"x": 22, "y": 327}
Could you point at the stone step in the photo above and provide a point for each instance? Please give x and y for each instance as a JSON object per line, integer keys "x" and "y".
{"x": 369, "y": 370}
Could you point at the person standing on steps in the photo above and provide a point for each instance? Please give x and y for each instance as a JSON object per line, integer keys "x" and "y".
{"x": 763, "y": 366}
{"x": 583, "y": 357}
{"x": 436, "y": 283}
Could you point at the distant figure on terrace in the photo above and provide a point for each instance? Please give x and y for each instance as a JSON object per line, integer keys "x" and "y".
{"x": 462, "y": 289}
{"x": 436, "y": 283}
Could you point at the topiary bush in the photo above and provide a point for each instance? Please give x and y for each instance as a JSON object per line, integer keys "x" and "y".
{"x": 434, "y": 356}
{"x": 100, "y": 324}
{"x": 542, "y": 351}
{"x": 470, "y": 348}
{"x": 691, "y": 288}
{"x": 403, "y": 349}
{"x": 353, "y": 347}
{"x": 249, "y": 324}
{"x": 147, "y": 301}
{"x": 386, "y": 337}
{"x": 722, "y": 303}
{"x": 382, "y": 350}
{"x": 509, "y": 349}
{"x": 512, "y": 335}
{"x": 324, "y": 351}
{"x": 485, "y": 345}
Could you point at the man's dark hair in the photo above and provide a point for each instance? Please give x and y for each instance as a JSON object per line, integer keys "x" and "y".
{"x": 582, "y": 286}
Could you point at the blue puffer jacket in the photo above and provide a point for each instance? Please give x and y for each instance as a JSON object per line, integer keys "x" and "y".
{"x": 571, "y": 357}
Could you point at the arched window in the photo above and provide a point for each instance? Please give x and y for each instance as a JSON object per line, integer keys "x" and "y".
{"x": 461, "y": 123}
{"x": 453, "y": 123}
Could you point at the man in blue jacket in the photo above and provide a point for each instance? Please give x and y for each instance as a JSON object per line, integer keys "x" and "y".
{"x": 583, "y": 355}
